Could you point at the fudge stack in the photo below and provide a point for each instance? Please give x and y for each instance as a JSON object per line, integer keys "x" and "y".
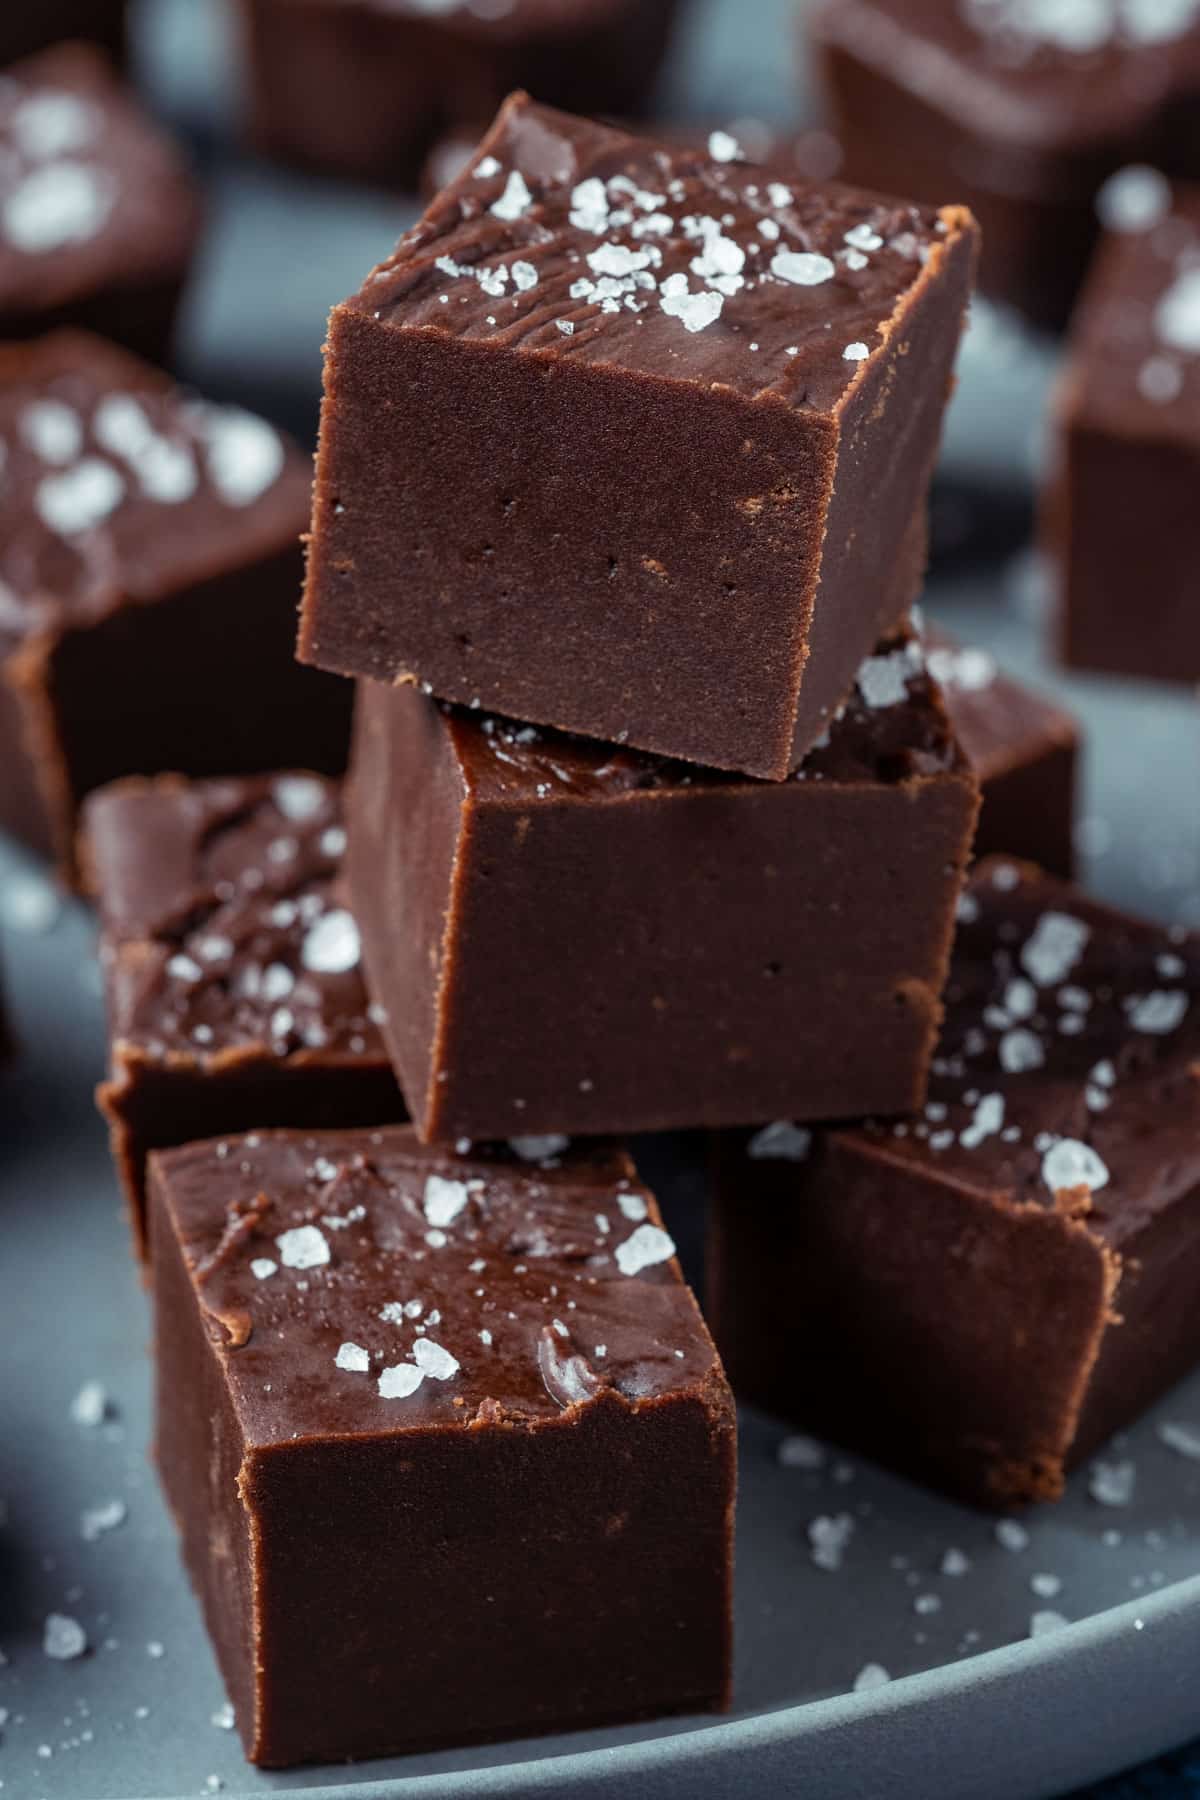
{"x": 657, "y": 818}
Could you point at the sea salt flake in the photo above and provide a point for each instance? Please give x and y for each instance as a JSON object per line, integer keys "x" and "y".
{"x": 779, "y": 196}
{"x": 1070, "y": 1164}
{"x": 1020, "y": 1050}
{"x": 58, "y": 203}
{"x": 1183, "y": 1439}
{"x": 353, "y": 1358}
{"x": 806, "y": 268}
{"x": 298, "y": 797}
{"x": 444, "y": 1200}
{"x": 1112, "y": 1483}
{"x": 1177, "y": 317}
{"x": 1011, "y": 1534}
{"x": 224, "y": 1718}
{"x": 694, "y": 311}
{"x": 1053, "y": 948}
{"x": 485, "y": 168}
{"x": 1158, "y": 1012}
{"x": 589, "y": 206}
{"x": 647, "y": 1246}
{"x": 883, "y": 680}
{"x": 52, "y": 123}
{"x": 525, "y": 276}
{"x": 515, "y": 200}
{"x": 63, "y": 1638}
{"x": 927, "y": 1604}
{"x": 431, "y": 1359}
{"x": 782, "y": 1140}
{"x": 303, "y": 1247}
{"x": 829, "y": 1538}
{"x": 96, "y": 1520}
{"x": 244, "y": 455}
{"x": 263, "y": 1267}
{"x": 871, "y": 1675}
{"x": 53, "y": 431}
{"x": 91, "y": 1405}
{"x": 79, "y": 499}
{"x": 1045, "y": 1621}
{"x": 986, "y": 1122}
{"x": 1045, "y": 1586}
{"x": 538, "y": 1149}
{"x": 723, "y": 148}
{"x": 400, "y": 1381}
{"x": 1133, "y": 199}
{"x": 332, "y": 946}
{"x": 632, "y": 1206}
{"x": 800, "y": 1452}
{"x": 857, "y": 352}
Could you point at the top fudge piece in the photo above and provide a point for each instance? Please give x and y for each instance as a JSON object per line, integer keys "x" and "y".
{"x": 1122, "y": 525}
{"x": 628, "y": 439}
{"x": 565, "y": 937}
{"x": 149, "y": 566}
{"x": 448, "y": 1443}
{"x": 986, "y": 1293}
{"x": 98, "y": 215}
{"x": 363, "y": 87}
{"x": 1032, "y": 104}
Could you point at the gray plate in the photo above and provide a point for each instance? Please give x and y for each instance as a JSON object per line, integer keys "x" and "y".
{"x": 976, "y": 1708}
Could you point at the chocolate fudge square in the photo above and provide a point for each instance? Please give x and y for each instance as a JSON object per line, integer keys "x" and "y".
{"x": 149, "y": 567}
{"x": 99, "y": 217}
{"x": 568, "y": 937}
{"x": 363, "y": 88}
{"x": 27, "y": 28}
{"x": 1023, "y": 748}
{"x": 1121, "y": 519}
{"x": 983, "y": 1295}
{"x": 626, "y": 439}
{"x": 448, "y": 1444}
{"x": 1030, "y": 109}
{"x": 231, "y": 965}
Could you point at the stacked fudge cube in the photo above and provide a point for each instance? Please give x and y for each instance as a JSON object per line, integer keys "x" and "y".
{"x": 659, "y": 815}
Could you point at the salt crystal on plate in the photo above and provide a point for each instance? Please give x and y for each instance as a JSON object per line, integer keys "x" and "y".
{"x": 1112, "y": 1484}
{"x": 799, "y": 1452}
{"x": 63, "y": 1638}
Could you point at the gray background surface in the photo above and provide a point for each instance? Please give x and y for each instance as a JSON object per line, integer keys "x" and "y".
{"x": 988, "y": 1712}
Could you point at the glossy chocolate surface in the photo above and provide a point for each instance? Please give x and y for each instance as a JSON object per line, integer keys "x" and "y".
{"x": 143, "y": 533}
{"x": 234, "y": 988}
{"x": 98, "y": 214}
{"x": 705, "y": 399}
{"x": 1022, "y": 747}
{"x": 984, "y": 1294}
{"x": 27, "y": 29}
{"x": 1120, "y": 522}
{"x": 488, "y": 1367}
{"x": 564, "y": 936}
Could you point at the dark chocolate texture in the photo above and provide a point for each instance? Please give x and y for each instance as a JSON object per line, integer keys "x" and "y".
{"x": 363, "y": 88}
{"x": 703, "y": 409}
{"x": 1121, "y": 521}
{"x": 566, "y": 936}
{"x": 1029, "y": 105}
{"x": 149, "y": 566}
{"x": 983, "y": 1295}
{"x": 234, "y": 991}
{"x": 1023, "y": 749}
{"x": 448, "y": 1444}
{"x": 99, "y": 217}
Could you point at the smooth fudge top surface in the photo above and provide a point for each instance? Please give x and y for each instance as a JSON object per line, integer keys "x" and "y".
{"x": 118, "y": 484}
{"x": 894, "y": 726}
{"x": 997, "y": 720}
{"x": 367, "y": 1284}
{"x": 1136, "y": 344}
{"x": 1068, "y": 1071}
{"x": 92, "y": 194}
{"x": 1027, "y": 68}
{"x": 222, "y": 923}
{"x": 569, "y": 239}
